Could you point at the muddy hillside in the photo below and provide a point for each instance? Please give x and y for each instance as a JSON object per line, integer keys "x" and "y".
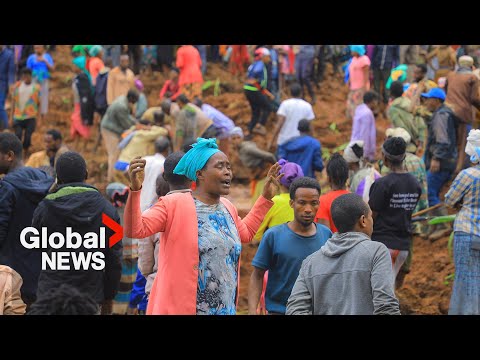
{"x": 426, "y": 289}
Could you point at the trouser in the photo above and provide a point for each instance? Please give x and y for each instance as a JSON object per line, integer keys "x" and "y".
{"x": 213, "y": 54}
{"x": 261, "y": 108}
{"x": 3, "y": 112}
{"x": 202, "y": 49}
{"x": 465, "y": 299}
{"x": 113, "y": 52}
{"x": 381, "y": 76}
{"x": 24, "y": 129}
{"x": 44, "y": 89}
{"x": 435, "y": 181}
{"x": 304, "y": 67}
{"x": 398, "y": 258}
{"x": 319, "y": 70}
{"x": 275, "y": 91}
{"x": 111, "y": 141}
{"x": 135, "y": 53}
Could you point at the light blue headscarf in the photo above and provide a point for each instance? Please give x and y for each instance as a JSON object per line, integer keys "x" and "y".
{"x": 360, "y": 49}
{"x": 94, "y": 50}
{"x": 196, "y": 158}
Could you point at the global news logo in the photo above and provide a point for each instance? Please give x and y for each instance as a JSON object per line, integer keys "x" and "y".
{"x": 32, "y": 238}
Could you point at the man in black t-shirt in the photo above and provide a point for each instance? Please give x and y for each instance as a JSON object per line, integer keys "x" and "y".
{"x": 392, "y": 200}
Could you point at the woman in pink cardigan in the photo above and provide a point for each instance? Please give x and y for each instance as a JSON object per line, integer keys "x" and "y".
{"x": 199, "y": 266}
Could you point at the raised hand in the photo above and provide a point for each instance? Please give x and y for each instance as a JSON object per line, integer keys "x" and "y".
{"x": 136, "y": 172}
{"x": 272, "y": 185}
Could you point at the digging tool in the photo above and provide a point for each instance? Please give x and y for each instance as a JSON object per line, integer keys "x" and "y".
{"x": 419, "y": 213}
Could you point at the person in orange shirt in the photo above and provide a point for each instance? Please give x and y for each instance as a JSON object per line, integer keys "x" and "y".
{"x": 337, "y": 172}
{"x": 190, "y": 65}
{"x": 95, "y": 65}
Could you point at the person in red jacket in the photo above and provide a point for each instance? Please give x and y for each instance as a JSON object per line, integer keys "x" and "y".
{"x": 171, "y": 88}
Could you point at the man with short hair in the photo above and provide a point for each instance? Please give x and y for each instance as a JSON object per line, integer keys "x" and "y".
{"x": 284, "y": 247}
{"x": 289, "y": 114}
{"x": 80, "y": 206}
{"x": 120, "y": 80}
{"x": 350, "y": 274}
{"x": 21, "y": 190}
{"x": 303, "y": 150}
{"x": 364, "y": 124}
{"x": 54, "y": 147}
{"x": 117, "y": 119}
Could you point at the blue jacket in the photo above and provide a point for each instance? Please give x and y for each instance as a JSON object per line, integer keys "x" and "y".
{"x": 442, "y": 143}
{"x": 20, "y": 192}
{"x": 305, "y": 151}
{"x": 258, "y": 71}
{"x": 7, "y": 69}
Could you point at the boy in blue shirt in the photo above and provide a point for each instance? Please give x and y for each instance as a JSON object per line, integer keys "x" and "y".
{"x": 284, "y": 247}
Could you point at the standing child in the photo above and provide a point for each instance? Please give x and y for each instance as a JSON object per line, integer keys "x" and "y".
{"x": 26, "y": 100}
{"x": 41, "y": 64}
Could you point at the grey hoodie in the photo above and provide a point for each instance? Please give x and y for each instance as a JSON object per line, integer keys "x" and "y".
{"x": 349, "y": 275}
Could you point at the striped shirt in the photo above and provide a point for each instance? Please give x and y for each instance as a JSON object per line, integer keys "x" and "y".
{"x": 466, "y": 188}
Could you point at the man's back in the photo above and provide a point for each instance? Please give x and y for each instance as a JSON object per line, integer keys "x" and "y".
{"x": 20, "y": 192}
{"x": 304, "y": 151}
{"x": 349, "y": 275}
{"x": 462, "y": 94}
{"x": 81, "y": 207}
{"x": 294, "y": 110}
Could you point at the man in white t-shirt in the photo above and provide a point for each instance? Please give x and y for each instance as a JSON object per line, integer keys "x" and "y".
{"x": 289, "y": 114}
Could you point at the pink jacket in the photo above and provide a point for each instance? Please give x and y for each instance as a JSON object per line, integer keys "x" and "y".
{"x": 190, "y": 65}
{"x": 174, "y": 290}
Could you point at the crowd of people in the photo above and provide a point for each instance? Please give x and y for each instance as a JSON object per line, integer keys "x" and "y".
{"x": 342, "y": 251}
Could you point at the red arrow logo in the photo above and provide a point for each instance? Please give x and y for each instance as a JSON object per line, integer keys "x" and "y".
{"x": 116, "y": 227}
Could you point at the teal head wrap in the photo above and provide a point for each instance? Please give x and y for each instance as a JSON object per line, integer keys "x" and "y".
{"x": 360, "y": 49}
{"x": 196, "y": 158}
{"x": 94, "y": 50}
{"x": 81, "y": 63}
